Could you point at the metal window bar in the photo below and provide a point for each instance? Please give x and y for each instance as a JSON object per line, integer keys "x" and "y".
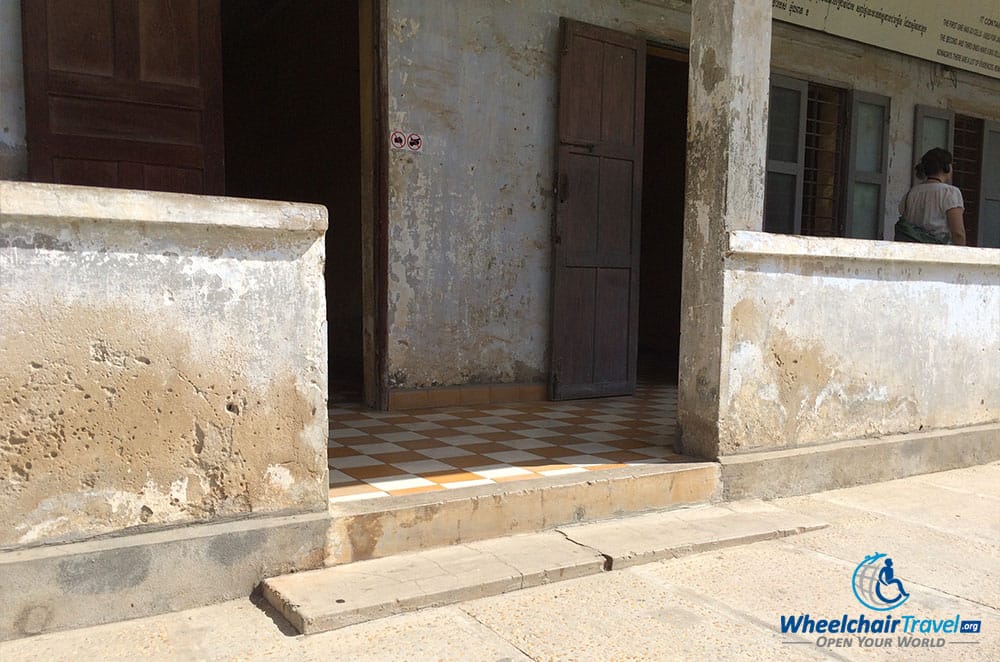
{"x": 825, "y": 140}
{"x": 968, "y": 167}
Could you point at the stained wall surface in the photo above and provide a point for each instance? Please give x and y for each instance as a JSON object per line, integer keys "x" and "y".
{"x": 13, "y": 149}
{"x": 841, "y": 339}
{"x": 162, "y": 360}
{"x": 470, "y": 214}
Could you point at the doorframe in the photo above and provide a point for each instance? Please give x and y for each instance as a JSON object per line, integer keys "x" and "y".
{"x": 373, "y": 70}
{"x": 668, "y": 51}
{"x": 676, "y": 52}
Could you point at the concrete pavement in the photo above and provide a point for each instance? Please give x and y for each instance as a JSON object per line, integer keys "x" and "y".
{"x": 343, "y": 595}
{"x": 941, "y": 530}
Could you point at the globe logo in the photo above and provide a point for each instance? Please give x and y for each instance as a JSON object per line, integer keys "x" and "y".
{"x": 875, "y": 584}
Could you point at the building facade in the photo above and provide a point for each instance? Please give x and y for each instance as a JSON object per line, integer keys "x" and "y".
{"x": 527, "y": 200}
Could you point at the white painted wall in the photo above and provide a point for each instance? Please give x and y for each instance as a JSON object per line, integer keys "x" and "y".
{"x": 831, "y": 339}
{"x": 162, "y": 360}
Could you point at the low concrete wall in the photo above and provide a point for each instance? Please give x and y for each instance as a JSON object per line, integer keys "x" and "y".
{"x": 113, "y": 579}
{"x": 790, "y": 472}
{"x": 162, "y": 364}
{"x": 836, "y": 339}
{"x": 162, "y": 361}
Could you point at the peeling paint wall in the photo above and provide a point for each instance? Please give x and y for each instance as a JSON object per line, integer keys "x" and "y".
{"x": 471, "y": 213}
{"x": 841, "y": 339}
{"x": 13, "y": 148}
{"x": 162, "y": 360}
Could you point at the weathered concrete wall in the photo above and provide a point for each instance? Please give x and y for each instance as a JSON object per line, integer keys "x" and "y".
{"x": 162, "y": 360}
{"x": 13, "y": 151}
{"x": 470, "y": 215}
{"x": 840, "y": 339}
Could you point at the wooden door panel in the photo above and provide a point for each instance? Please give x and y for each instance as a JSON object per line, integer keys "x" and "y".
{"x": 583, "y": 63}
{"x": 118, "y": 151}
{"x": 124, "y": 120}
{"x": 576, "y": 302}
{"x": 618, "y": 95}
{"x": 86, "y": 172}
{"x": 167, "y": 178}
{"x": 614, "y": 230}
{"x": 595, "y": 272}
{"x": 579, "y": 198}
{"x": 168, "y": 42}
{"x": 125, "y": 93}
{"x": 611, "y": 337}
{"x": 84, "y": 42}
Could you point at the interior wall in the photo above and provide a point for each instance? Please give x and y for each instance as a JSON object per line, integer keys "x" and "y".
{"x": 662, "y": 240}
{"x": 292, "y": 106}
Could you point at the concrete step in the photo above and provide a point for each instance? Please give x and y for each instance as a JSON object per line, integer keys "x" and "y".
{"x": 321, "y": 600}
{"x": 378, "y": 528}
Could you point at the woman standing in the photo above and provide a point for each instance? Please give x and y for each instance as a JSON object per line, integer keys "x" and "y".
{"x": 933, "y": 208}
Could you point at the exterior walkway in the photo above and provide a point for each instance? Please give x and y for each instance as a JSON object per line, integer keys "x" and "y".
{"x": 941, "y": 531}
{"x": 378, "y": 454}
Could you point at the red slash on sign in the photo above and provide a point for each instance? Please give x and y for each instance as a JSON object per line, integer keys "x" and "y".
{"x": 397, "y": 139}
{"x": 414, "y": 142}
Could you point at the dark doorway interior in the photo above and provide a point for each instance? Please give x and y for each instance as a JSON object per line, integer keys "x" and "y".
{"x": 292, "y": 132}
{"x": 664, "y": 156}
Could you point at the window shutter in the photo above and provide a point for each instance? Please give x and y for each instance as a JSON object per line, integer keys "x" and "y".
{"x": 867, "y": 173}
{"x": 785, "y": 155}
{"x": 989, "y": 204}
{"x": 932, "y": 127}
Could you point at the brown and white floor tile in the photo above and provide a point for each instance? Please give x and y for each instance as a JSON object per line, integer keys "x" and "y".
{"x": 378, "y": 454}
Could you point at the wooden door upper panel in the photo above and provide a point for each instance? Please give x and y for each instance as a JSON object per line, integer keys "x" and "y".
{"x": 125, "y": 93}
{"x": 84, "y": 42}
{"x": 169, "y": 37}
{"x": 618, "y": 99}
{"x": 592, "y": 60}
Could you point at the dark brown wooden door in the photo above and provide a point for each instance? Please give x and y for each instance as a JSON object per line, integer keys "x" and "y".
{"x": 125, "y": 93}
{"x": 596, "y": 235}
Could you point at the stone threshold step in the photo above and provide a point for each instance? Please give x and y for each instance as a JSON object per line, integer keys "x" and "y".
{"x": 378, "y": 528}
{"x": 331, "y": 598}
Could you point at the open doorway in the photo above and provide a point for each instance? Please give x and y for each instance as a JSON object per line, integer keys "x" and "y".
{"x": 662, "y": 223}
{"x": 293, "y": 132}
{"x": 622, "y": 112}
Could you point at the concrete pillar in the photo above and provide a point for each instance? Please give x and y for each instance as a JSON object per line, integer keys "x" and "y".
{"x": 726, "y": 159}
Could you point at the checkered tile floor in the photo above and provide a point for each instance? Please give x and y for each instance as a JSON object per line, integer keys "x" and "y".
{"x": 379, "y": 454}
